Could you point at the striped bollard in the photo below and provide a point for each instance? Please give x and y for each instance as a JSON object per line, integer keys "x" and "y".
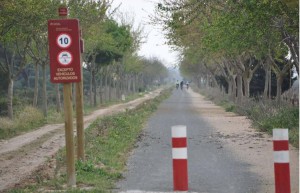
{"x": 281, "y": 160}
{"x": 179, "y": 154}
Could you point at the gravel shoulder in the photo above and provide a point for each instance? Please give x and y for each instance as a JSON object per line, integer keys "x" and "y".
{"x": 22, "y": 155}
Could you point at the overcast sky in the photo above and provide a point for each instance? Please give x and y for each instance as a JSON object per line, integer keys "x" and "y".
{"x": 155, "y": 44}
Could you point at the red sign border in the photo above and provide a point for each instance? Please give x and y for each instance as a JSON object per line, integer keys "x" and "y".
{"x": 70, "y": 27}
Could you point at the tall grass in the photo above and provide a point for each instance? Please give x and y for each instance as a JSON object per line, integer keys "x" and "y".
{"x": 26, "y": 119}
{"x": 29, "y": 118}
{"x": 266, "y": 116}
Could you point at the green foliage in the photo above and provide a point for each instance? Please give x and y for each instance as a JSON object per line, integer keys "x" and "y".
{"x": 229, "y": 107}
{"x": 54, "y": 116}
{"x": 30, "y": 117}
{"x": 286, "y": 117}
{"x": 23, "y": 31}
{"x": 210, "y": 33}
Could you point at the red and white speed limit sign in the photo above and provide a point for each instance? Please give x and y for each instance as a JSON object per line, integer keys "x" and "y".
{"x": 64, "y": 40}
{"x": 64, "y": 50}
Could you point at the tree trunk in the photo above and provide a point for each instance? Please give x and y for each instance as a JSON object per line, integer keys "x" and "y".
{"x": 270, "y": 83}
{"x": 45, "y": 107}
{"x": 230, "y": 88}
{"x": 105, "y": 84}
{"x": 266, "y": 87}
{"x": 10, "y": 94}
{"x": 115, "y": 89}
{"x": 213, "y": 81}
{"x": 91, "y": 88}
{"x": 94, "y": 89}
{"x": 233, "y": 93}
{"x": 128, "y": 82}
{"x": 239, "y": 89}
{"x": 36, "y": 85}
{"x": 109, "y": 88}
{"x": 134, "y": 83}
{"x": 246, "y": 81}
{"x": 101, "y": 90}
{"x": 279, "y": 90}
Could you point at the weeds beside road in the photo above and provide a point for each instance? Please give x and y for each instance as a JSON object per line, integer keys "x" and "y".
{"x": 265, "y": 115}
{"x": 29, "y": 118}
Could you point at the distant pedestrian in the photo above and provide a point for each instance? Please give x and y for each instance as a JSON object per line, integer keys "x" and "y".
{"x": 177, "y": 84}
{"x": 181, "y": 84}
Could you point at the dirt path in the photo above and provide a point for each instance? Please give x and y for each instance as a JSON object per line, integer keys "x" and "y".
{"x": 22, "y": 155}
{"x": 255, "y": 148}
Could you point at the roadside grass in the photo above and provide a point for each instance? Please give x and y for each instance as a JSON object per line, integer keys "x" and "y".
{"x": 265, "y": 115}
{"x": 88, "y": 109}
{"x": 29, "y": 118}
{"x": 25, "y": 120}
{"x": 109, "y": 141}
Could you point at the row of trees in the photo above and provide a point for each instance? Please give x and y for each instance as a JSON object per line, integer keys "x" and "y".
{"x": 110, "y": 59}
{"x": 232, "y": 39}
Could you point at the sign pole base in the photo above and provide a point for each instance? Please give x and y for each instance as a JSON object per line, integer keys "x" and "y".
{"x": 69, "y": 134}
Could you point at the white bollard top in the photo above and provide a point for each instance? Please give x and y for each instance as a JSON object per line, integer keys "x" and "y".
{"x": 280, "y": 134}
{"x": 179, "y": 131}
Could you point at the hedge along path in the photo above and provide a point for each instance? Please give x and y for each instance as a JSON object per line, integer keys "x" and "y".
{"x": 22, "y": 155}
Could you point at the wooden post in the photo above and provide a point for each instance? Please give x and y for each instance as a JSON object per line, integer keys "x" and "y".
{"x": 68, "y": 113}
{"x": 70, "y": 153}
{"x": 79, "y": 118}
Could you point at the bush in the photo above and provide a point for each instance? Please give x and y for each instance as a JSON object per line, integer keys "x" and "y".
{"x": 6, "y": 126}
{"x": 54, "y": 116}
{"x": 26, "y": 119}
{"x": 283, "y": 118}
{"x": 29, "y": 117}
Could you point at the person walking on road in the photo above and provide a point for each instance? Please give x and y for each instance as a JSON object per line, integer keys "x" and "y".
{"x": 177, "y": 84}
{"x": 181, "y": 85}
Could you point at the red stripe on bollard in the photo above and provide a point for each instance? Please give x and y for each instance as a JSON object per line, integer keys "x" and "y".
{"x": 180, "y": 174}
{"x": 281, "y": 161}
{"x": 179, "y": 154}
{"x": 281, "y": 145}
{"x": 282, "y": 177}
{"x": 179, "y": 142}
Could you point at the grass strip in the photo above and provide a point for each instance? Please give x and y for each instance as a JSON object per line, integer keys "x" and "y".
{"x": 108, "y": 143}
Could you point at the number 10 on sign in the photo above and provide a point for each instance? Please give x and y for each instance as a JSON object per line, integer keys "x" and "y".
{"x": 64, "y": 40}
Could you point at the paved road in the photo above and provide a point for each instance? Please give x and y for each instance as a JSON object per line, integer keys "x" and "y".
{"x": 212, "y": 167}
